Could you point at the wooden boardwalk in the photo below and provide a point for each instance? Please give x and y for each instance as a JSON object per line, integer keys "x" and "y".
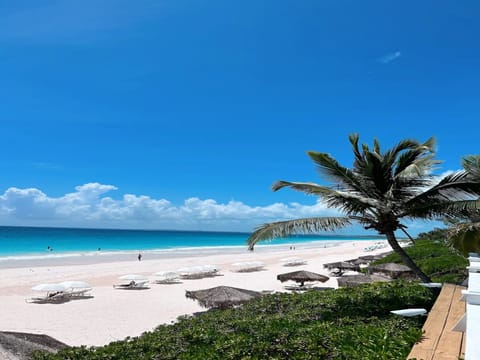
{"x": 440, "y": 342}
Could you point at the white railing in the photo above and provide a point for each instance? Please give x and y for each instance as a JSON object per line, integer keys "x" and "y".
{"x": 472, "y": 315}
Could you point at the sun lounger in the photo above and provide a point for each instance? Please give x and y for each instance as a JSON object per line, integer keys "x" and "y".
{"x": 166, "y": 277}
{"x": 78, "y": 293}
{"x": 298, "y": 287}
{"x": 54, "y": 297}
{"x": 293, "y": 261}
{"x": 198, "y": 272}
{"x": 248, "y": 266}
{"x": 132, "y": 285}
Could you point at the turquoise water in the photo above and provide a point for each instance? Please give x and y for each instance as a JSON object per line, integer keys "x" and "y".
{"x": 30, "y": 241}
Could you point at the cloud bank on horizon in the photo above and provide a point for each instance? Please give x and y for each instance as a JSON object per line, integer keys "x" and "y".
{"x": 90, "y": 206}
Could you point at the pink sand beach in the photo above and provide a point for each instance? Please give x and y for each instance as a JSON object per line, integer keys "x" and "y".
{"x": 113, "y": 314}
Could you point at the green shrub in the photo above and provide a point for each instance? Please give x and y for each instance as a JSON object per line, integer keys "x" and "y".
{"x": 436, "y": 259}
{"x": 349, "y": 323}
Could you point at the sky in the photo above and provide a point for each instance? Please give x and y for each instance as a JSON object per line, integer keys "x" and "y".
{"x": 181, "y": 114}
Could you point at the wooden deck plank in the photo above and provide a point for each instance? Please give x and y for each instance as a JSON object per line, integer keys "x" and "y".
{"x": 434, "y": 325}
{"x": 449, "y": 345}
{"x": 437, "y": 328}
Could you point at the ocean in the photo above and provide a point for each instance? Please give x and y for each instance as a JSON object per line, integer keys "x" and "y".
{"x": 35, "y": 243}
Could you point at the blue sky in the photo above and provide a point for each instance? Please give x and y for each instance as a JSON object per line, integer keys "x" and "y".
{"x": 181, "y": 114}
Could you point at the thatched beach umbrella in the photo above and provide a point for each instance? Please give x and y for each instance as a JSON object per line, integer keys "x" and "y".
{"x": 355, "y": 280}
{"x": 393, "y": 270}
{"x": 222, "y": 296}
{"x": 15, "y": 345}
{"x": 302, "y": 276}
{"x": 342, "y": 265}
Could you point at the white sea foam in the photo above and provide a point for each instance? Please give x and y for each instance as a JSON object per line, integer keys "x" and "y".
{"x": 167, "y": 251}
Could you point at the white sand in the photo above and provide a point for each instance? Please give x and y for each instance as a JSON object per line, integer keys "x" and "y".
{"x": 115, "y": 314}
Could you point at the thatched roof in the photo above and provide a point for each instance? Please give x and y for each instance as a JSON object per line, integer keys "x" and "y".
{"x": 355, "y": 280}
{"x": 392, "y": 269}
{"x": 19, "y": 346}
{"x": 341, "y": 265}
{"x": 222, "y": 296}
{"x": 302, "y": 276}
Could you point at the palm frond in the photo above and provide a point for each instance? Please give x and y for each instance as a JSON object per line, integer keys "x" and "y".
{"x": 330, "y": 167}
{"x": 347, "y": 201}
{"x": 441, "y": 209}
{"x": 405, "y": 188}
{"x": 308, "y": 188}
{"x": 406, "y": 144}
{"x": 376, "y": 146}
{"x": 354, "y": 138}
{"x": 415, "y": 162}
{"x": 465, "y": 226}
{"x": 458, "y": 186}
{"x": 471, "y": 163}
{"x": 465, "y": 237}
{"x": 282, "y": 229}
{"x": 351, "y": 203}
{"x": 420, "y": 167}
{"x": 430, "y": 144}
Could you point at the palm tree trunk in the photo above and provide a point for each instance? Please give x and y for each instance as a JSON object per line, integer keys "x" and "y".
{"x": 392, "y": 240}
{"x": 408, "y": 235}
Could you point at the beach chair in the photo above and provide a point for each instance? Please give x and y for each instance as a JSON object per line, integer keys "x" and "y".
{"x": 299, "y": 288}
{"x": 294, "y": 261}
{"x": 79, "y": 293}
{"x": 132, "y": 285}
{"x": 198, "y": 272}
{"x": 166, "y": 277}
{"x": 76, "y": 289}
{"x": 53, "y": 297}
{"x": 248, "y": 266}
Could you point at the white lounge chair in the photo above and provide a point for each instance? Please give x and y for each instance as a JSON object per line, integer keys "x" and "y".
{"x": 248, "y": 266}
{"x": 294, "y": 261}
{"x": 166, "y": 277}
{"x": 77, "y": 293}
{"x": 77, "y": 289}
{"x": 198, "y": 272}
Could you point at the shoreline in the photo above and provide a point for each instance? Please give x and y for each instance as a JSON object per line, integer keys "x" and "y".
{"x": 115, "y": 314}
{"x": 95, "y": 257}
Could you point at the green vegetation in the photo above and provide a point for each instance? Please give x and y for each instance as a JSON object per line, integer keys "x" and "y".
{"x": 436, "y": 259}
{"x": 437, "y": 234}
{"x": 380, "y": 191}
{"x": 463, "y": 232}
{"x": 349, "y": 323}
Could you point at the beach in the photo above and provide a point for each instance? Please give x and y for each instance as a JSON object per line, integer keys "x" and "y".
{"x": 113, "y": 314}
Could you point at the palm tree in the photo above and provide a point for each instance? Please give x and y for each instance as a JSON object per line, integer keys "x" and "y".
{"x": 382, "y": 189}
{"x": 465, "y": 235}
{"x": 464, "y": 231}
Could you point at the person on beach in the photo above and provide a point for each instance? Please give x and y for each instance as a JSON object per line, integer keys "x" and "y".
{"x": 139, "y": 257}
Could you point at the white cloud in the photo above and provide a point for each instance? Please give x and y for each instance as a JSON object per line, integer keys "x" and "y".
{"x": 90, "y": 206}
{"x": 388, "y": 58}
